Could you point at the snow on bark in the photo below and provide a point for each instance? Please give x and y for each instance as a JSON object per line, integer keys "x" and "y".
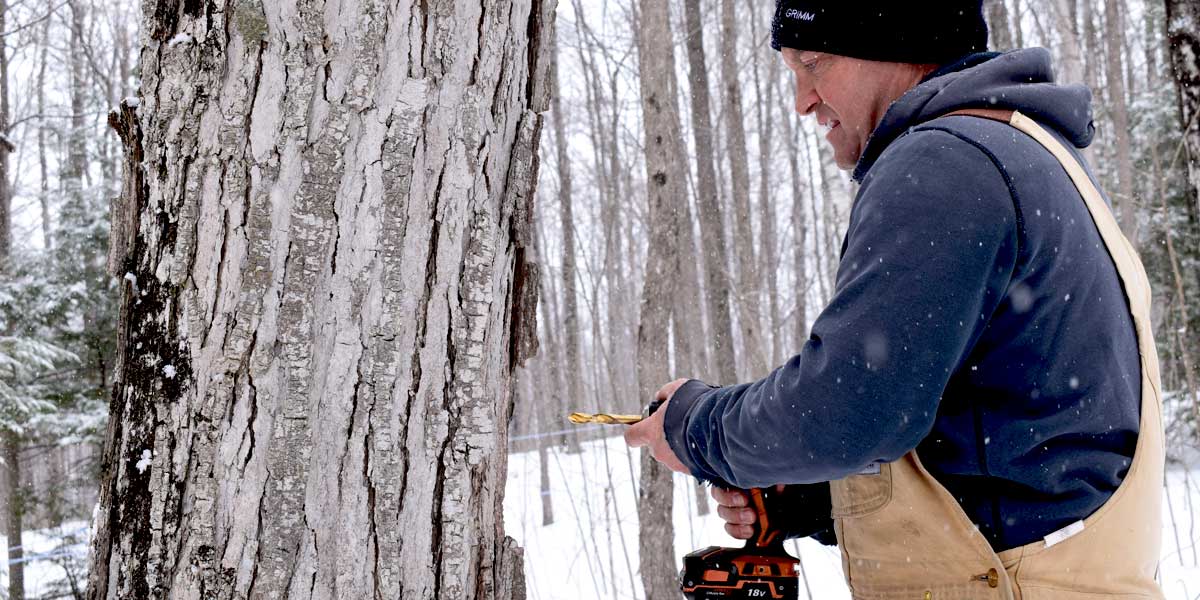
{"x": 329, "y": 241}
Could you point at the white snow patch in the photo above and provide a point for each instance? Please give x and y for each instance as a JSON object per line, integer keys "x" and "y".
{"x": 144, "y": 463}
{"x": 169, "y": 371}
{"x": 180, "y": 38}
{"x": 132, "y": 101}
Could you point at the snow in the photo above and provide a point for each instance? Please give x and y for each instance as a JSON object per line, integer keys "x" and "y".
{"x": 169, "y": 371}
{"x": 591, "y": 549}
{"x": 47, "y": 553}
{"x": 131, "y": 101}
{"x": 180, "y": 38}
{"x": 144, "y": 463}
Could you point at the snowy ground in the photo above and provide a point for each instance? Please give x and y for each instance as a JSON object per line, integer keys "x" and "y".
{"x": 48, "y": 555}
{"x": 590, "y": 551}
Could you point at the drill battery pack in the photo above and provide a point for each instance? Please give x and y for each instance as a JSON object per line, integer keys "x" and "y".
{"x": 750, "y": 572}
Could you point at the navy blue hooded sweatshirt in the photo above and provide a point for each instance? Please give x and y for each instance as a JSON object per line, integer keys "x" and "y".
{"x": 977, "y": 318}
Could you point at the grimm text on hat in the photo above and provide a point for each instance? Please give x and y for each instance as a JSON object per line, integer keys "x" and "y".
{"x": 799, "y": 15}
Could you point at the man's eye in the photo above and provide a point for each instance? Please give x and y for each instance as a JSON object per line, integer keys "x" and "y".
{"x": 809, "y": 66}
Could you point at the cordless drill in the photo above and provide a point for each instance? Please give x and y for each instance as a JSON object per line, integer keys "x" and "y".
{"x": 760, "y": 569}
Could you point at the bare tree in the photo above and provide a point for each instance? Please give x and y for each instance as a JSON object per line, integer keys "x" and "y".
{"x": 664, "y": 189}
{"x": 1017, "y": 30}
{"x": 708, "y": 206}
{"x": 10, "y": 438}
{"x": 6, "y": 146}
{"x": 1071, "y": 59}
{"x": 1120, "y": 118}
{"x": 768, "y": 252}
{"x": 749, "y": 315}
{"x": 800, "y": 227}
{"x": 570, "y": 323}
{"x": 44, "y": 178}
{"x": 1183, "y": 41}
{"x": 997, "y": 19}
{"x": 326, "y": 297}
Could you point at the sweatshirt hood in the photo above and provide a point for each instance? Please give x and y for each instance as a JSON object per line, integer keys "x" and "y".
{"x": 1020, "y": 80}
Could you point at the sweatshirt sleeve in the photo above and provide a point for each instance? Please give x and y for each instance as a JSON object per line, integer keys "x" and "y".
{"x": 930, "y": 249}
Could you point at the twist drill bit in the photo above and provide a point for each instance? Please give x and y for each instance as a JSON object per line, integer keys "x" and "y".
{"x": 604, "y": 419}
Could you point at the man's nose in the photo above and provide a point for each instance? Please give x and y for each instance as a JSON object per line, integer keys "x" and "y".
{"x": 806, "y": 99}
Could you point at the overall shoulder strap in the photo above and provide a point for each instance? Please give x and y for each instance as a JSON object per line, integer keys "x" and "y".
{"x": 995, "y": 114}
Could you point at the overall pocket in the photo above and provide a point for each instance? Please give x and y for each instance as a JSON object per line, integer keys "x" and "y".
{"x": 861, "y": 495}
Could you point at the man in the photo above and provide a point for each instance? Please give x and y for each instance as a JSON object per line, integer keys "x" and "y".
{"x": 983, "y": 381}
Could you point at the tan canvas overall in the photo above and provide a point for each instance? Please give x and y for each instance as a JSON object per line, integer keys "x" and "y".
{"x": 903, "y": 535}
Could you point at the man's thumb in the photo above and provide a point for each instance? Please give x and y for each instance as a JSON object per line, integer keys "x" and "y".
{"x": 634, "y": 437}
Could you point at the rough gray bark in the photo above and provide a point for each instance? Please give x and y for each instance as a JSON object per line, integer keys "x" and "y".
{"x": 1126, "y": 202}
{"x": 754, "y": 363}
{"x": 665, "y": 190}
{"x": 708, "y": 206}
{"x": 1183, "y": 42}
{"x": 326, "y": 296}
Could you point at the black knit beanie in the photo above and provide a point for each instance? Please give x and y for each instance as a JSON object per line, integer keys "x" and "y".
{"x": 929, "y": 31}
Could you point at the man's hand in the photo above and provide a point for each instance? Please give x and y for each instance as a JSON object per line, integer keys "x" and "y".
{"x": 733, "y": 507}
{"x": 650, "y": 432}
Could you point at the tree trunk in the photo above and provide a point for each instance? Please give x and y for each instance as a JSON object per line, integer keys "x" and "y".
{"x": 1071, "y": 61}
{"x": 567, "y": 223}
{"x": 548, "y": 307}
{"x": 77, "y": 155}
{"x": 800, "y": 227}
{"x": 749, "y": 312}
{"x": 11, "y": 440}
{"x": 44, "y": 179}
{"x": 6, "y": 147}
{"x": 1183, "y": 41}
{"x": 997, "y": 19}
{"x": 708, "y": 206}
{"x": 665, "y": 190}
{"x": 14, "y": 514}
{"x": 1018, "y": 34}
{"x": 768, "y": 254}
{"x": 533, "y": 379}
{"x": 326, "y": 298}
{"x": 1120, "y": 119}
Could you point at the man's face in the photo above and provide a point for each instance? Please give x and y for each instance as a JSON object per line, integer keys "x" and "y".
{"x": 847, "y": 95}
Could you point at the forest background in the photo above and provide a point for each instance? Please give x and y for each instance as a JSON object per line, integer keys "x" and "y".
{"x": 764, "y": 207}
